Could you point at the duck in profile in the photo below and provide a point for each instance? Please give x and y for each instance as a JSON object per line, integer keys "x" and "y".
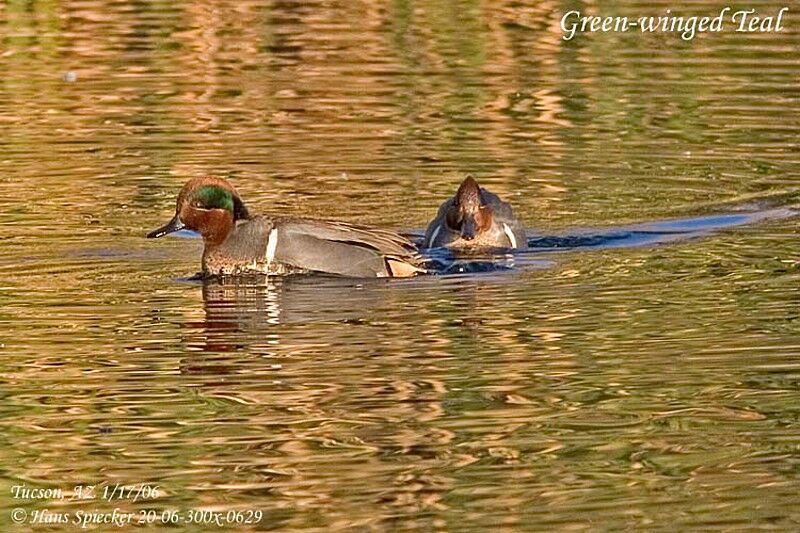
{"x": 474, "y": 219}
{"x": 238, "y": 243}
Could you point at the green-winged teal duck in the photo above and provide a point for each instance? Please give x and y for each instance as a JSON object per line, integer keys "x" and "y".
{"x": 474, "y": 219}
{"x": 237, "y": 242}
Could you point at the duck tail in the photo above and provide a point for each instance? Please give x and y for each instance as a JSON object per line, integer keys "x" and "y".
{"x": 399, "y": 268}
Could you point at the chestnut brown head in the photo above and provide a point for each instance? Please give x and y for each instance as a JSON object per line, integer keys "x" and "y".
{"x": 468, "y": 215}
{"x": 210, "y": 206}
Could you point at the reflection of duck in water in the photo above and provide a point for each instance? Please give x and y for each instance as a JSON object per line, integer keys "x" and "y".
{"x": 239, "y": 243}
{"x": 241, "y": 312}
{"x": 252, "y": 304}
{"x": 474, "y": 219}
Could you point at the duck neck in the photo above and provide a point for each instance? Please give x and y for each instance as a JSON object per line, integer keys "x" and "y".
{"x": 216, "y": 226}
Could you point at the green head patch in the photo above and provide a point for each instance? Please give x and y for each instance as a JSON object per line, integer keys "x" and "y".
{"x": 214, "y": 197}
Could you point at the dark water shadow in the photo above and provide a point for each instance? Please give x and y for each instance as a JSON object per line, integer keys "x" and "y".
{"x": 650, "y": 233}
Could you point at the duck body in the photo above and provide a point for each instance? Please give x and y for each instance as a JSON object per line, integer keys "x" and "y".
{"x": 473, "y": 220}
{"x": 237, "y": 243}
{"x": 280, "y": 245}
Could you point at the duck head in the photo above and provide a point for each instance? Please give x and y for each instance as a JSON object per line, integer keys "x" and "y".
{"x": 209, "y": 206}
{"x": 468, "y": 215}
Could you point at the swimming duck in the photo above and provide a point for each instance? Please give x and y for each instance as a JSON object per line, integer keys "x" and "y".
{"x": 237, "y": 242}
{"x": 474, "y": 219}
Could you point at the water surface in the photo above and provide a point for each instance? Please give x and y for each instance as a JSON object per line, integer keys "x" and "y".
{"x": 638, "y": 370}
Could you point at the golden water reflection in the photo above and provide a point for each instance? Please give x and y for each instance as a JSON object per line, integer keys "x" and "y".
{"x": 629, "y": 388}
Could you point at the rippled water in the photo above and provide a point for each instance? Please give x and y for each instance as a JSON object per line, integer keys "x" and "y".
{"x": 637, "y": 369}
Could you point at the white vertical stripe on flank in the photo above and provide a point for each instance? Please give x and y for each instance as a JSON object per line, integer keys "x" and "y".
{"x": 272, "y": 244}
{"x": 510, "y": 235}
{"x": 434, "y": 235}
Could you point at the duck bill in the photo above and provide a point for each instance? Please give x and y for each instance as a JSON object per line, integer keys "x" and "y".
{"x": 170, "y": 227}
{"x": 469, "y": 228}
